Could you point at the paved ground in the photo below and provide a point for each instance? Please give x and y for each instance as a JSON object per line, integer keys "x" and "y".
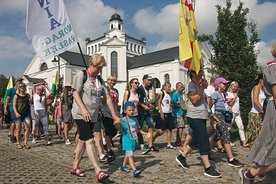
{"x": 51, "y": 164}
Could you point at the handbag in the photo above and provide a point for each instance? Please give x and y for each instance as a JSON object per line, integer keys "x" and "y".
{"x": 228, "y": 116}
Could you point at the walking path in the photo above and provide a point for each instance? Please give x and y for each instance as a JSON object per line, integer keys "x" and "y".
{"x": 52, "y": 164}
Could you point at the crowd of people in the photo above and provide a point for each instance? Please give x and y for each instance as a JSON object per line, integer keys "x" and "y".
{"x": 94, "y": 107}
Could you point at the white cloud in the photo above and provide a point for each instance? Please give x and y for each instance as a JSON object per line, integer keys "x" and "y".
{"x": 165, "y": 22}
{"x": 265, "y": 55}
{"x": 13, "y": 6}
{"x": 90, "y": 18}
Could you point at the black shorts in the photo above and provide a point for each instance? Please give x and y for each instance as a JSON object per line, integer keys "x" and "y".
{"x": 167, "y": 123}
{"x": 86, "y": 129}
{"x": 109, "y": 128}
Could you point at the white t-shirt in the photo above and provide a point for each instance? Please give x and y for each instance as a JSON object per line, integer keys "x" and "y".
{"x": 209, "y": 91}
{"x": 236, "y": 104}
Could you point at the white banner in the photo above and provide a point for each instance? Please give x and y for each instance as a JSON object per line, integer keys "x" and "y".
{"x": 49, "y": 28}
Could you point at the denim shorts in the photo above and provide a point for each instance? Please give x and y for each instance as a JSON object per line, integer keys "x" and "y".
{"x": 21, "y": 119}
{"x": 200, "y": 139}
{"x": 146, "y": 117}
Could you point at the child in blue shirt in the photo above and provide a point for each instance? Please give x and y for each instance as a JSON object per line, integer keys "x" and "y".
{"x": 130, "y": 128}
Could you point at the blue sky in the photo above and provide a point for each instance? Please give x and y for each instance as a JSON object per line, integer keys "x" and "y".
{"x": 155, "y": 20}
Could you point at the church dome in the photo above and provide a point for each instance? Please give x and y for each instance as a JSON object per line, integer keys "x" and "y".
{"x": 115, "y": 16}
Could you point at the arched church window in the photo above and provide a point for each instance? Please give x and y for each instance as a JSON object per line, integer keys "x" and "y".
{"x": 138, "y": 49}
{"x": 111, "y": 26}
{"x": 99, "y": 47}
{"x": 135, "y": 48}
{"x": 167, "y": 77}
{"x": 114, "y": 63}
{"x": 131, "y": 47}
{"x": 95, "y": 48}
{"x": 92, "y": 49}
{"x": 127, "y": 46}
{"x": 88, "y": 50}
{"x": 119, "y": 26}
{"x": 43, "y": 67}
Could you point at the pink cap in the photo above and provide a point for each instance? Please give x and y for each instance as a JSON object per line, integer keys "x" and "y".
{"x": 220, "y": 80}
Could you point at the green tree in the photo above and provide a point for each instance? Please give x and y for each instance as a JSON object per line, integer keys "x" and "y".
{"x": 3, "y": 85}
{"x": 234, "y": 56}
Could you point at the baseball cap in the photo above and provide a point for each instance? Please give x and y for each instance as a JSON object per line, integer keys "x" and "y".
{"x": 18, "y": 79}
{"x": 221, "y": 80}
{"x": 147, "y": 77}
{"x": 129, "y": 103}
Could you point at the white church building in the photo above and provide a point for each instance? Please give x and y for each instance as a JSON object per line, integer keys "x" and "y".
{"x": 125, "y": 55}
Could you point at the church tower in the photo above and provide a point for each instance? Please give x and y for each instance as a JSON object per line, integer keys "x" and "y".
{"x": 115, "y": 22}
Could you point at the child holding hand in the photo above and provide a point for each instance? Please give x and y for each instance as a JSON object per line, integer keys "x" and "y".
{"x": 130, "y": 128}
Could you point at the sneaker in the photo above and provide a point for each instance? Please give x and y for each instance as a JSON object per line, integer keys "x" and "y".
{"x": 48, "y": 143}
{"x": 169, "y": 146}
{"x": 67, "y": 142}
{"x": 177, "y": 143}
{"x": 106, "y": 159}
{"x": 9, "y": 136}
{"x": 33, "y": 141}
{"x": 244, "y": 179}
{"x": 12, "y": 139}
{"x": 111, "y": 154}
{"x": 182, "y": 161}
{"x": 211, "y": 172}
{"x": 181, "y": 143}
{"x": 136, "y": 173}
{"x": 125, "y": 169}
{"x": 235, "y": 163}
{"x": 145, "y": 150}
{"x": 152, "y": 148}
{"x": 232, "y": 144}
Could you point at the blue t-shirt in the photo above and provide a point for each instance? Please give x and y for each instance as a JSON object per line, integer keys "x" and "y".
{"x": 11, "y": 92}
{"x": 128, "y": 141}
{"x": 177, "y": 111}
{"x": 220, "y": 101}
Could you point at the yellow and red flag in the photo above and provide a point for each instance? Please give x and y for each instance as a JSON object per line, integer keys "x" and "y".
{"x": 9, "y": 86}
{"x": 189, "y": 52}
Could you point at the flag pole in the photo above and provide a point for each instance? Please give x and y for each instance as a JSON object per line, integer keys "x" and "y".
{"x": 82, "y": 55}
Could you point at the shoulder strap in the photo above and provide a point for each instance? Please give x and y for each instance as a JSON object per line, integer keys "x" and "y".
{"x": 100, "y": 79}
{"x": 84, "y": 76}
{"x": 128, "y": 94}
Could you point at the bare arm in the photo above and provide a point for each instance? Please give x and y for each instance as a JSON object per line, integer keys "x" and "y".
{"x": 85, "y": 114}
{"x": 111, "y": 108}
{"x": 60, "y": 104}
{"x": 15, "y": 106}
{"x": 6, "y": 105}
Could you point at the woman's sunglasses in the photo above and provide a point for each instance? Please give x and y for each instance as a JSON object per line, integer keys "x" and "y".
{"x": 22, "y": 86}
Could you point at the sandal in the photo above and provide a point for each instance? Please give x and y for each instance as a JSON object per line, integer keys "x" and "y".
{"x": 246, "y": 146}
{"x": 19, "y": 146}
{"x": 26, "y": 146}
{"x": 101, "y": 176}
{"x": 221, "y": 150}
{"x": 76, "y": 171}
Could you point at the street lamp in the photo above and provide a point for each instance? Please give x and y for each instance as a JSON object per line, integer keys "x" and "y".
{"x": 55, "y": 61}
